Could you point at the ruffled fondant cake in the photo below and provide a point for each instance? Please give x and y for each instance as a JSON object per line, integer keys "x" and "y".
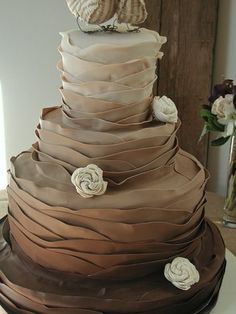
{"x": 141, "y": 243}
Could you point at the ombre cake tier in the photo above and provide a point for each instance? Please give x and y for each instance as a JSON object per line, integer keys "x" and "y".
{"x": 62, "y": 253}
{"x": 28, "y": 288}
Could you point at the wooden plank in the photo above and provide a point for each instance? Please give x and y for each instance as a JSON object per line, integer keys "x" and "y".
{"x": 154, "y": 15}
{"x": 186, "y": 69}
{"x": 153, "y": 22}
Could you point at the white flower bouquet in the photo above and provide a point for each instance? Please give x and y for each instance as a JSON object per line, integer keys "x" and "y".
{"x": 220, "y": 114}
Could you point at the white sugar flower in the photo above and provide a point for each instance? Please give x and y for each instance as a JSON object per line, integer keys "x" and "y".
{"x": 164, "y": 109}
{"x": 181, "y": 273}
{"x": 89, "y": 181}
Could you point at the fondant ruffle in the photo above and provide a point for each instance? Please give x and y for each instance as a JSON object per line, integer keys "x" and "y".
{"x": 69, "y": 293}
{"x": 120, "y": 48}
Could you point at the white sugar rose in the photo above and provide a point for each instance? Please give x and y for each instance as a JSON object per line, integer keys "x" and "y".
{"x": 181, "y": 273}
{"x": 223, "y": 106}
{"x": 164, "y": 109}
{"x": 89, "y": 181}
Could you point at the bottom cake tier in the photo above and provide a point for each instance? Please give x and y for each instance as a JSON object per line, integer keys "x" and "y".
{"x": 26, "y": 287}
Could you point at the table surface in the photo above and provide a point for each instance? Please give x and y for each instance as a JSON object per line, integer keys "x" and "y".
{"x": 214, "y": 211}
{"x": 227, "y": 301}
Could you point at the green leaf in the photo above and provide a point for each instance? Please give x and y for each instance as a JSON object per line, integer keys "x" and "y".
{"x": 206, "y": 107}
{"x": 212, "y": 122}
{"x": 205, "y": 113}
{"x": 211, "y": 126}
{"x": 206, "y": 119}
{"x": 218, "y": 126}
{"x": 220, "y": 141}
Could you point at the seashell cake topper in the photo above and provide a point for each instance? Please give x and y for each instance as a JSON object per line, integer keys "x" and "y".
{"x": 99, "y": 11}
{"x": 131, "y": 11}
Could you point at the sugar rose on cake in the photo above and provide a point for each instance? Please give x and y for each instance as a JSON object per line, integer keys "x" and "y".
{"x": 164, "y": 109}
{"x": 88, "y": 181}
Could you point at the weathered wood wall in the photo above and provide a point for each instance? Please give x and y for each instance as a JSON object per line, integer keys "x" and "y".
{"x": 185, "y": 72}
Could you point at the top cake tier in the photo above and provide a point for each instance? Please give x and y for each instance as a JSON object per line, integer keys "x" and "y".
{"x": 115, "y": 67}
{"x": 112, "y": 47}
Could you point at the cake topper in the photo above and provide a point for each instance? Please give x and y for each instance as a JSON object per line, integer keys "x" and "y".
{"x": 131, "y": 11}
{"x": 96, "y": 12}
{"x": 93, "y": 11}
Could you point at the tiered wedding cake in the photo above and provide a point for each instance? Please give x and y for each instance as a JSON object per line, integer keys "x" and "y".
{"x": 106, "y": 212}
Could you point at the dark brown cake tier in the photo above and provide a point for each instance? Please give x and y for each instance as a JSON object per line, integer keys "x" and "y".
{"x": 29, "y": 288}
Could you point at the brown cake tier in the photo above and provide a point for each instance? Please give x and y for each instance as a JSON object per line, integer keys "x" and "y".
{"x": 137, "y": 226}
{"x": 28, "y": 288}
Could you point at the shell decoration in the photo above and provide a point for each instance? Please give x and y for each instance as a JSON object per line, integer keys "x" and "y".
{"x": 99, "y": 11}
{"x": 93, "y": 11}
{"x": 132, "y": 11}
{"x": 73, "y": 6}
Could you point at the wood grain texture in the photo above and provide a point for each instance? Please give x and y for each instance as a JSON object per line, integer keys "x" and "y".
{"x": 154, "y": 15}
{"x": 153, "y": 22}
{"x": 186, "y": 69}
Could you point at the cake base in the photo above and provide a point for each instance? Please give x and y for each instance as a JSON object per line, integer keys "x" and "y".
{"x": 28, "y": 288}
{"x": 206, "y": 310}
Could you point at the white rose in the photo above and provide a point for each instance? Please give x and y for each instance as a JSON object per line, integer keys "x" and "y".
{"x": 89, "y": 181}
{"x": 230, "y": 123}
{"x": 164, "y": 109}
{"x": 223, "y": 106}
{"x": 181, "y": 273}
